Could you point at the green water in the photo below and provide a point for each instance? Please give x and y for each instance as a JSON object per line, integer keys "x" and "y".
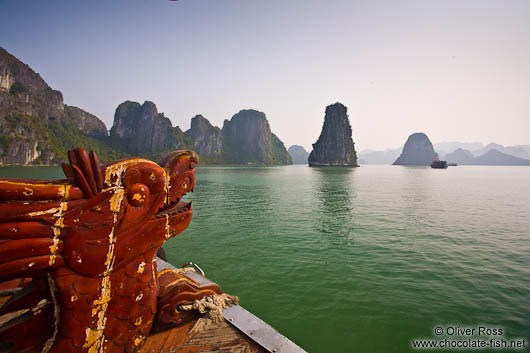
{"x": 366, "y": 259}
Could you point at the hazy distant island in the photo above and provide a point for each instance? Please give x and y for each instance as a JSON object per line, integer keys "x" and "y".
{"x": 491, "y": 157}
{"x": 298, "y": 154}
{"x": 460, "y": 153}
{"x": 418, "y": 150}
{"x": 37, "y": 128}
{"x": 335, "y": 146}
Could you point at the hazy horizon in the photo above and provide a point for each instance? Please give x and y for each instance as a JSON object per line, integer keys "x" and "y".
{"x": 457, "y": 71}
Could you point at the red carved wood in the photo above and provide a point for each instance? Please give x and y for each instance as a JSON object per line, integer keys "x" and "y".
{"x": 77, "y": 256}
{"x": 178, "y": 289}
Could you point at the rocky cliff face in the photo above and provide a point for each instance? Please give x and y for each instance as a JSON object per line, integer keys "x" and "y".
{"x": 247, "y": 139}
{"x": 418, "y": 150}
{"x": 24, "y": 92}
{"x": 86, "y": 122}
{"x": 298, "y": 154}
{"x": 335, "y": 146}
{"x": 207, "y": 139}
{"x": 140, "y": 129}
{"x": 35, "y": 125}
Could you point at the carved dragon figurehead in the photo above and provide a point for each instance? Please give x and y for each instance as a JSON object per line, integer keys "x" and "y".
{"x": 78, "y": 254}
{"x": 138, "y": 207}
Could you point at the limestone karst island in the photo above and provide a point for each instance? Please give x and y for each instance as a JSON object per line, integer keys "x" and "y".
{"x": 37, "y": 128}
{"x": 335, "y": 146}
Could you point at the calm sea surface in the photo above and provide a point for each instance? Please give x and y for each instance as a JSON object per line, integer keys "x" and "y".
{"x": 366, "y": 259}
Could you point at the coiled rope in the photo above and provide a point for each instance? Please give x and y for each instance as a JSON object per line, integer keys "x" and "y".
{"x": 211, "y": 308}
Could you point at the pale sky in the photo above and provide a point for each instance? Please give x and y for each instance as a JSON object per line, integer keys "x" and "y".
{"x": 456, "y": 70}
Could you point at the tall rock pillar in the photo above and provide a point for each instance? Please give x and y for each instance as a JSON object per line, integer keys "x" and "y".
{"x": 335, "y": 146}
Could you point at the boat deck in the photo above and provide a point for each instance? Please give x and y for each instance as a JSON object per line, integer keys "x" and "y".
{"x": 219, "y": 337}
{"x": 240, "y": 331}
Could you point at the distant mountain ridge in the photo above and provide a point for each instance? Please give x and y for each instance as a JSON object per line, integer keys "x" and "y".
{"x": 387, "y": 156}
{"x": 460, "y": 156}
{"x": 491, "y": 157}
{"x": 510, "y": 150}
{"x": 453, "y": 152}
{"x": 36, "y": 127}
{"x": 445, "y": 147}
{"x": 478, "y": 149}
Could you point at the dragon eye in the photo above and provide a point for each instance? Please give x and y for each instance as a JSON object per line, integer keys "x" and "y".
{"x": 184, "y": 185}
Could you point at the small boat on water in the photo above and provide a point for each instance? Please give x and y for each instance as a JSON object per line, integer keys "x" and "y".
{"x": 437, "y": 164}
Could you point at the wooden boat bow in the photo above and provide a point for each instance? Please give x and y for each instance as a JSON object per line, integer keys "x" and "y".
{"x": 78, "y": 265}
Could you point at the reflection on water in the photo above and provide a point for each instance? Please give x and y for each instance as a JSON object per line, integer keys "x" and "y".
{"x": 334, "y": 201}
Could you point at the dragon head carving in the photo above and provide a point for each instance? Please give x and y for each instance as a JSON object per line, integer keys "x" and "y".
{"x": 116, "y": 210}
{"x": 102, "y": 224}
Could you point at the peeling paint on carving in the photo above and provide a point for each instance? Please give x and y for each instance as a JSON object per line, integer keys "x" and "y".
{"x": 53, "y": 248}
{"x": 138, "y": 340}
{"x": 57, "y": 231}
{"x": 141, "y": 267}
{"x": 65, "y": 193}
{"x": 138, "y": 197}
{"x": 167, "y": 186}
{"x": 138, "y": 321}
{"x": 45, "y": 212}
{"x": 167, "y": 227}
{"x": 115, "y": 200}
{"x": 95, "y": 339}
{"x": 116, "y": 170}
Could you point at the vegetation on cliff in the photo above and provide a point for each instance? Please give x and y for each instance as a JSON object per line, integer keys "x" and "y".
{"x": 36, "y": 127}
{"x": 247, "y": 139}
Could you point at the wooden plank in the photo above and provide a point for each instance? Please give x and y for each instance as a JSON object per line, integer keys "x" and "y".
{"x": 218, "y": 337}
